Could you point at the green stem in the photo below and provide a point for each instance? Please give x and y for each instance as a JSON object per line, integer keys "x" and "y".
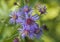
{"x": 28, "y": 40}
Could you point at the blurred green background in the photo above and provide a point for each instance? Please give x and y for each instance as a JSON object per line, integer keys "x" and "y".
{"x": 51, "y": 19}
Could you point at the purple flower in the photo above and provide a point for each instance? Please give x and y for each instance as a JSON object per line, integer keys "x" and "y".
{"x": 16, "y": 40}
{"x": 30, "y": 27}
{"x": 14, "y": 17}
{"x": 28, "y": 18}
{"x": 28, "y": 22}
{"x": 31, "y": 32}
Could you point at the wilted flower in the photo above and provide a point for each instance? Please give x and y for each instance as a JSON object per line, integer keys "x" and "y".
{"x": 42, "y": 10}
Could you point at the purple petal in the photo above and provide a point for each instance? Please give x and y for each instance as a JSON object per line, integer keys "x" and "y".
{"x": 34, "y": 26}
{"x": 26, "y": 27}
{"x": 31, "y": 35}
{"x": 26, "y": 15}
{"x": 38, "y": 35}
{"x": 35, "y": 17}
{"x": 20, "y": 20}
{"x": 12, "y": 20}
{"x": 20, "y": 13}
{"x": 31, "y": 12}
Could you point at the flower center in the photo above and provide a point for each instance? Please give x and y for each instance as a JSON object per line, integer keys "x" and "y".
{"x": 29, "y": 21}
{"x": 26, "y": 32}
{"x": 15, "y": 17}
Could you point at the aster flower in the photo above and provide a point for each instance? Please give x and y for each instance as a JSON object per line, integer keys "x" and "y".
{"x": 31, "y": 32}
{"x": 30, "y": 27}
{"x": 28, "y": 19}
{"x": 16, "y": 16}
{"x": 13, "y": 18}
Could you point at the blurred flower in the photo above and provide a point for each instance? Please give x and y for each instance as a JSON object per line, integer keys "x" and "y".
{"x": 16, "y": 40}
{"x": 29, "y": 19}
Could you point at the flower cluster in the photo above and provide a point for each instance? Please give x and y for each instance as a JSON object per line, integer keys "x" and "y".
{"x": 24, "y": 17}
